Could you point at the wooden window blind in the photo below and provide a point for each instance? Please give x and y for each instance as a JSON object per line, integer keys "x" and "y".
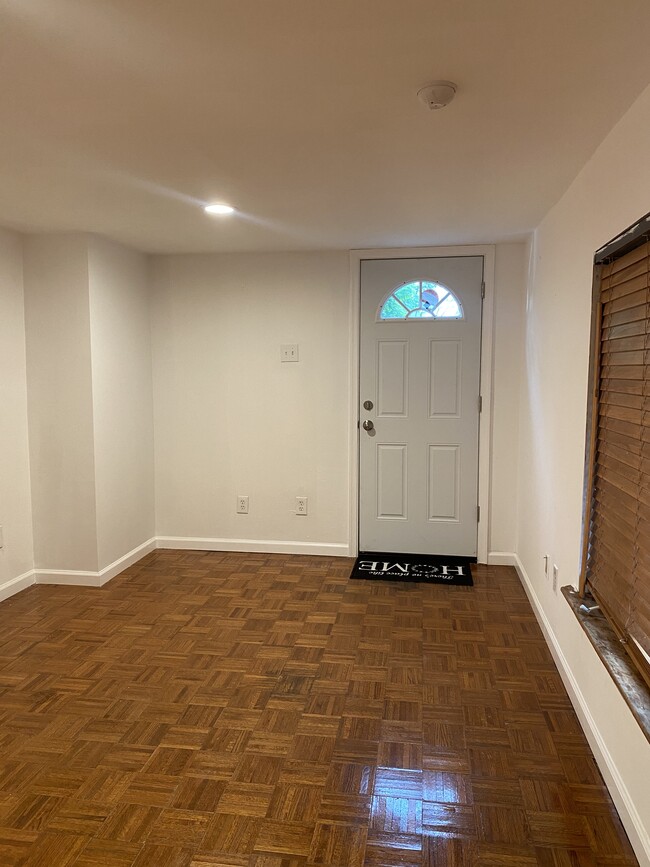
{"x": 616, "y": 557}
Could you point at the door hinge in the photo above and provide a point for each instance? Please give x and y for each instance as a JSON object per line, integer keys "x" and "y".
{"x": 480, "y": 403}
{"x": 478, "y": 514}
{"x": 483, "y": 289}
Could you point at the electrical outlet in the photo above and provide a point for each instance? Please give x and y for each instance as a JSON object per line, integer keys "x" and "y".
{"x": 301, "y": 505}
{"x": 242, "y": 505}
{"x": 555, "y": 574}
{"x": 289, "y": 352}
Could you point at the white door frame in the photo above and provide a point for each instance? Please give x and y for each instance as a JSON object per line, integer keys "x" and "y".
{"x": 487, "y": 251}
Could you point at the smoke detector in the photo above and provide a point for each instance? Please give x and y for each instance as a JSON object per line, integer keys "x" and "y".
{"x": 438, "y": 94}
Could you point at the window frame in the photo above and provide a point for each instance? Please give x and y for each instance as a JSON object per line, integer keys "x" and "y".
{"x": 409, "y": 317}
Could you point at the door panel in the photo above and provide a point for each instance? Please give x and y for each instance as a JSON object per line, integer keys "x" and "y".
{"x": 419, "y": 461}
{"x": 444, "y": 483}
{"x": 445, "y": 378}
{"x": 391, "y": 481}
{"x": 392, "y": 377}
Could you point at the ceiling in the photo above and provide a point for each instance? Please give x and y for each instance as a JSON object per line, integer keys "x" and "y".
{"x": 124, "y": 117}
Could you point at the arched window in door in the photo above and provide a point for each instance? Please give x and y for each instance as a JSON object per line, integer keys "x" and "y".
{"x": 420, "y": 299}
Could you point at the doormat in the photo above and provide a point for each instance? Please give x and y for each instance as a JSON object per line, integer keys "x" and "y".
{"x": 426, "y": 568}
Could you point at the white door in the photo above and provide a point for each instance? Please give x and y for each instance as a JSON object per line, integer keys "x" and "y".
{"x": 419, "y": 394}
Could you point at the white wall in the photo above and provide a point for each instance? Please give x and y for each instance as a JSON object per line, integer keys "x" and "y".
{"x": 16, "y": 557}
{"x": 230, "y": 418}
{"x": 122, "y": 398}
{"x": 509, "y": 302}
{"x": 90, "y": 404}
{"x": 59, "y": 384}
{"x": 611, "y": 192}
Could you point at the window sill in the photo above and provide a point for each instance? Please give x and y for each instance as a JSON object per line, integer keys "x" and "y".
{"x": 613, "y": 656}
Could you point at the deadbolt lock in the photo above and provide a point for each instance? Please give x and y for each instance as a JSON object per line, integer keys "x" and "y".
{"x": 368, "y": 404}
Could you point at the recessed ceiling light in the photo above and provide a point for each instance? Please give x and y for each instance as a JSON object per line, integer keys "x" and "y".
{"x": 219, "y": 208}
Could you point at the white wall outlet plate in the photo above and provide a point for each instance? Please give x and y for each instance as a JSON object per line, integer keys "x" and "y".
{"x": 242, "y": 505}
{"x": 289, "y": 352}
{"x": 301, "y": 505}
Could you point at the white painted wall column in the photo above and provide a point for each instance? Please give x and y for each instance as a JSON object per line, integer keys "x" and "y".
{"x": 90, "y": 406}
{"x": 16, "y": 553}
{"x": 59, "y": 379}
{"x": 120, "y": 343}
{"x": 509, "y": 311}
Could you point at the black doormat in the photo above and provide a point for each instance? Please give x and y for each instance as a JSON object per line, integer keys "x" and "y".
{"x": 426, "y": 568}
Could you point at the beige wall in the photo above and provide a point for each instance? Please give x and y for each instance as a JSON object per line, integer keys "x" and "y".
{"x": 610, "y": 193}
{"x": 122, "y": 398}
{"x": 16, "y": 557}
{"x": 230, "y": 418}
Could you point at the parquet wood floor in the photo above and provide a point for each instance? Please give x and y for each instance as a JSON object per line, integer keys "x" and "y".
{"x": 244, "y": 710}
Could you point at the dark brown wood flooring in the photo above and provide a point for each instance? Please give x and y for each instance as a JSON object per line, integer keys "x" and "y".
{"x": 222, "y": 710}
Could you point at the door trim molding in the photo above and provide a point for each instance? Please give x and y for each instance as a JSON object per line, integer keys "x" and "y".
{"x": 487, "y": 252}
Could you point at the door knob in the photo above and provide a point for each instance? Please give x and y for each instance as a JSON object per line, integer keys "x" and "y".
{"x": 368, "y": 425}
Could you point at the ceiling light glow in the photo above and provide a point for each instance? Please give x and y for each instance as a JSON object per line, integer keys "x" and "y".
{"x": 219, "y": 208}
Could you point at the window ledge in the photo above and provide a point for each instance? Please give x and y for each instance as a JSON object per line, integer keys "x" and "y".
{"x": 613, "y": 656}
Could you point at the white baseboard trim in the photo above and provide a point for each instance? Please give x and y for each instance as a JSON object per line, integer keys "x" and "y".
{"x": 95, "y": 579}
{"x": 109, "y": 572}
{"x": 15, "y": 585}
{"x": 71, "y": 577}
{"x": 257, "y": 546}
{"x": 637, "y": 831}
{"x": 501, "y": 558}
